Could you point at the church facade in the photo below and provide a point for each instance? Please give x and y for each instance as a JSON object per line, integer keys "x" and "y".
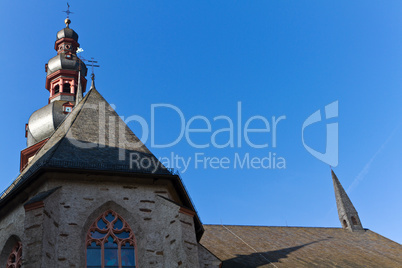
{"x": 79, "y": 203}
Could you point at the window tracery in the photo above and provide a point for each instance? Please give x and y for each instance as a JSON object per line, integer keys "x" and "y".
{"x": 110, "y": 243}
{"x": 15, "y": 258}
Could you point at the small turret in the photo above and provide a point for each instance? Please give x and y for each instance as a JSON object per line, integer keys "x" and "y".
{"x": 346, "y": 211}
{"x": 64, "y": 69}
{"x": 66, "y": 83}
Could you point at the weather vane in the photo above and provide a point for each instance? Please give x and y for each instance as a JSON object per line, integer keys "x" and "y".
{"x": 92, "y": 62}
{"x": 68, "y": 12}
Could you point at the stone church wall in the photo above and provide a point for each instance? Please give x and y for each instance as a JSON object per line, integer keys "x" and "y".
{"x": 55, "y": 233}
{"x": 11, "y": 231}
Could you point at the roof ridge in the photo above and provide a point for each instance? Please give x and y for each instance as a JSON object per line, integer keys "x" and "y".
{"x": 268, "y": 226}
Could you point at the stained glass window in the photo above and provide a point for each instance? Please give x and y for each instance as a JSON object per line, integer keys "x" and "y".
{"x": 14, "y": 260}
{"x": 110, "y": 243}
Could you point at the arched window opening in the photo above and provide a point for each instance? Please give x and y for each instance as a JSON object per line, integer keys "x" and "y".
{"x": 354, "y": 221}
{"x": 56, "y": 89}
{"x": 15, "y": 258}
{"x": 345, "y": 224}
{"x": 110, "y": 243}
{"x": 66, "y": 88}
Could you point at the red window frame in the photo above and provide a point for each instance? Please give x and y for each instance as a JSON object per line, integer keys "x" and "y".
{"x": 15, "y": 258}
{"x": 110, "y": 231}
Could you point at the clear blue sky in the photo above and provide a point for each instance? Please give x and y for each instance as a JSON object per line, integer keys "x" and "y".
{"x": 275, "y": 57}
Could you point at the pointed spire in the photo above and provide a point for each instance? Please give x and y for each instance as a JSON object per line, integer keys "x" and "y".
{"x": 346, "y": 211}
{"x": 93, "y": 81}
{"x": 79, "y": 90}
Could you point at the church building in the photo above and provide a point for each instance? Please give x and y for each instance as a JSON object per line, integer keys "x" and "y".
{"x": 79, "y": 202}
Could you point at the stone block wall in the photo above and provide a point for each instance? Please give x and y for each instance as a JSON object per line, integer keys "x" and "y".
{"x": 11, "y": 231}
{"x": 54, "y": 234}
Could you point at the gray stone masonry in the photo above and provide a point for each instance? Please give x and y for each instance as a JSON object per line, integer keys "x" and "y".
{"x": 53, "y": 235}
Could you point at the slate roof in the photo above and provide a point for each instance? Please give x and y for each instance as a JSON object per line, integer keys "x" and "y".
{"x": 93, "y": 137}
{"x": 259, "y": 246}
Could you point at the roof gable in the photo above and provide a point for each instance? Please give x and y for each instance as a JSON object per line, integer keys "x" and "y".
{"x": 93, "y": 137}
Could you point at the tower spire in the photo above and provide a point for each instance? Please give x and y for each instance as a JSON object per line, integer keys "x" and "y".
{"x": 346, "y": 211}
{"x": 79, "y": 96}
{"x": 93, "y": 81}
{"x": 93, "y": 65}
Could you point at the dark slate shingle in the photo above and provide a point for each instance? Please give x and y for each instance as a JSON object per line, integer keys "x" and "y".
{"x": 262, "y": 246}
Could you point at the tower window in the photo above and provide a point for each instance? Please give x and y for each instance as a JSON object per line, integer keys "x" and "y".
{"x": 110, "y": 243}
{"x": 15, "y": 258}
{"x": 56, "y": 89}
{"x": 68, "y": 107}
{"x": 66, "y": 88}
{"x": 354, "y": 221}
{"x": 345, "y": 224}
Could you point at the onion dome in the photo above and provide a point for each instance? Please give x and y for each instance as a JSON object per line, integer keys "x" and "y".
{"x": 45, "y": 121}
{"x": 65, "y": 62}
{"x": 67, "y": 33}
{"x": 63, "y": 70}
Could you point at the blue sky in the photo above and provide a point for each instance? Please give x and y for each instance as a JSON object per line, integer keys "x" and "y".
{"x": 278, "y": 58}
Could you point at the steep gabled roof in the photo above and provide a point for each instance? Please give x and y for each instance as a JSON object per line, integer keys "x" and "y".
{"x": 93, "y": 137}
{"x": 263, "y": 246}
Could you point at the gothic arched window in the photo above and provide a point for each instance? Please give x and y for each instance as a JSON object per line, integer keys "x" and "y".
{"x": 56, "y": 89}
{"x": 14, "y": 259}
{"x": 354, "y": 221}
{"x": 66, "y": 88}
{"x": 110, "y": 243}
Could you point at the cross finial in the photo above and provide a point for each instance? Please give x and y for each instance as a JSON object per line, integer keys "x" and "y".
{"x": 92, "y": 64}
{"x": 68, "y": 12}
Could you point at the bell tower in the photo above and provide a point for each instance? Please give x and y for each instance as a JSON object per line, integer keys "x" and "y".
{"x": 66, "y": 83}
{"x": 63, "y": 69}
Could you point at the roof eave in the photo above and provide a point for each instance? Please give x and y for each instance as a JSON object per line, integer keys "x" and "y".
{"x": 175, "y": 179}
